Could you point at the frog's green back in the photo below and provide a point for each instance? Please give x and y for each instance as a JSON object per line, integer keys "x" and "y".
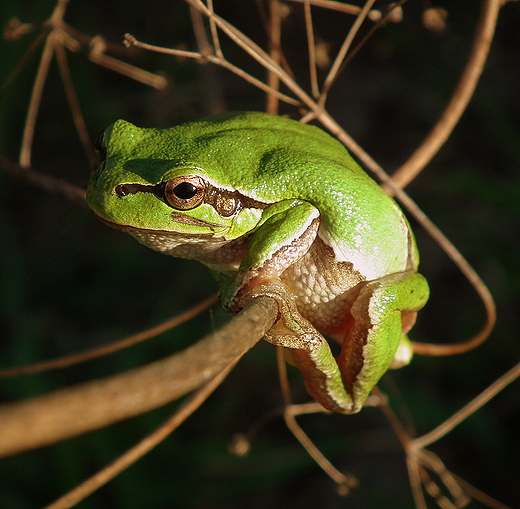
{"x": 272, "y": 158}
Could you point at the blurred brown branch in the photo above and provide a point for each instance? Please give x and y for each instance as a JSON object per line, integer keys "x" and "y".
{"x": 72, "y": 411}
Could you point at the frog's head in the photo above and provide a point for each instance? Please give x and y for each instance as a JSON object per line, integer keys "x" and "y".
{"x": 149, "y": 181}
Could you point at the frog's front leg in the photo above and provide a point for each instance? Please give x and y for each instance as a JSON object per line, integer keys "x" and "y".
{"x": 286, "y": 233}
{"x": 283, "y": 238}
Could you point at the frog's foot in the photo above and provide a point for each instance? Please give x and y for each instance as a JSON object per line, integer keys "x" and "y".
{"x": 305, "y": 348}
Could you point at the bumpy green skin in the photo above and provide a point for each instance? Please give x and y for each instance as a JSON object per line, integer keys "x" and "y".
{"x": 310, "y": 213}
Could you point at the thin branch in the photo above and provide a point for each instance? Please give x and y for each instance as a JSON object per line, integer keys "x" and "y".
{"x": 482, "y": 497}
{"x": 21, "y": 63}
{"x": 467, "y": 410}
{"x": 257, "y": 53}
{"x": 143, "y": 447}
{"x": 130, "y": 40}
{"x": 373, "y": 15}
{"x": 389, "y": 16}
{"x": 70, "y": 360}
{"x": 344, "y": 481}
{"x": 197, "y": 22}
{"x": 212, "y": 93}
{"x": 75, "y": 109}
{"x": 329, "y": 80}
{"x": 34, "y": 104}
{"x": 214, "y": 33}
{"x": 311, "y": 48}
{"x": 415, "y": 482}
{"x": 48, "y": 183}
{"x": 435, "y": 464}
{"x": 97, "y": 55}
{"x": 275, "y": 36}
{"x": 72, "y": 411}
{"x": 416, "y": 459}
{"x": 58, "y": 13}
{"x": 54, "y": 22}
{"x": 460, "y": 99}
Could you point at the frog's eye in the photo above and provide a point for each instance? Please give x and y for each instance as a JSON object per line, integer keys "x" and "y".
{"x": 100, "y": 146}
{"x": 185, "y": 193}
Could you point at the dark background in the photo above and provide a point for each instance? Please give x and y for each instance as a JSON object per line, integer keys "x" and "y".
{"x": 68, "y": 283}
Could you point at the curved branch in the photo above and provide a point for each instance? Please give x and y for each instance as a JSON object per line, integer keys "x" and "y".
{"x": 72, "y": 411}
{"x": 107, "y": 349}
{"x": 468, "y": 409}
{"x": 459, "y": 101}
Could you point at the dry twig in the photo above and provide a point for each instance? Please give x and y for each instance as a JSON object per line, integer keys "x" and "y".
{"x": 72, "y": 411}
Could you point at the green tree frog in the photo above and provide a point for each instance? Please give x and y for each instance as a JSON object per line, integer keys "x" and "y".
{"x": 275, "y": 208}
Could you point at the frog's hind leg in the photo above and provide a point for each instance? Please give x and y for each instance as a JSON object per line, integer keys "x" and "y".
{"x": 375, "y": 337}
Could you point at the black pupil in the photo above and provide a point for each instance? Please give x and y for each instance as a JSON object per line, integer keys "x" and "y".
{"x": 185, "y": 191}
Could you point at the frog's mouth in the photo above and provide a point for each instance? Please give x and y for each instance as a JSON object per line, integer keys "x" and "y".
{"x": 167, "y": 233}
{"x": 193, "y": 221}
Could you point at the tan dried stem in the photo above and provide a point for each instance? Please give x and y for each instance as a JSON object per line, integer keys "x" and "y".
{"x": 311, "y": 48}
{"x": 34, "y": 103}
{"x": 419, "y": 458}
{"x": 259, "y": 55}
{"x": 53, "y": 25}
{"x": 329, "y": 80}
{"x": 197, "y": 22}
{"x": 58, "y": 34}
{"x": 72, "y": 411}
{"x": 97, "y": 55}
{"x": 48, "y": 183}
{"x": 275, "y": 35}
{"x": 332, "y": 5}
{"x": 389, "y": 16}
{"x": 130, "y": 40}
{"x": 459, "y": 100}
{"x": 482, "y": 497}
{"x": 22, "y": 62}
{"x": 108, "y": 473}
{"x": 467, "y": 410}
{"x": 214, "y": 32}
{"x": 74, "y": 106}
{"x": 344, "y": 481}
